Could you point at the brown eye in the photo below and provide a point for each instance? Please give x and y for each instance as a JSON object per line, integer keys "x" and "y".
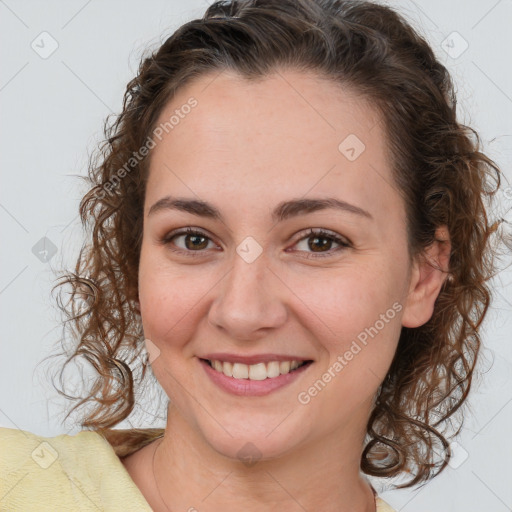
{"x": 321, "y": 242}
{"x": 194, "y": 242}
{"x": 188, "y": 240}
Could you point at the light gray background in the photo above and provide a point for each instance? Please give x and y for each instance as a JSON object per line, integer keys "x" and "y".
{"x": 52, "y": 112}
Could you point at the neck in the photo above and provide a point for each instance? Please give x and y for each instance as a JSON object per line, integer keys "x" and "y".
{"x": 190, "y": 475}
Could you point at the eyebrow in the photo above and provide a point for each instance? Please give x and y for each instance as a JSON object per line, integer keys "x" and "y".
{"x": 283, "y": 211}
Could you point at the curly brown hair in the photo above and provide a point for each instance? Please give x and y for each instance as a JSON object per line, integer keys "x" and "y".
{"x": 438, "y": 168}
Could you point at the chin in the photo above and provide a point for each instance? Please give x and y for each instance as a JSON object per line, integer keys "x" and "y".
{"x": 251, "y": 445}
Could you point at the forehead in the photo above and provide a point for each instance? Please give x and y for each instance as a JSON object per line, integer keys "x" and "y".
{"x": 288, "y": 135}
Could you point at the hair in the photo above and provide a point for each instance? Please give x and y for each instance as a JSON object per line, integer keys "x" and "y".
{"x": 437, "y": 165}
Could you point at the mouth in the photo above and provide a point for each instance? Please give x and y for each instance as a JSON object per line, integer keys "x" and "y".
{"x": 257, "y": 372}
{"x": 254, "y": 380}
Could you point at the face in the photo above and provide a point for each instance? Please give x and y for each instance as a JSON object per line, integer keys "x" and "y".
{"x": 264, "y": 273}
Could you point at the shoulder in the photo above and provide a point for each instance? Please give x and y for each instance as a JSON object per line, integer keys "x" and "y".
{"x": 382, "y": 506}
{"x": 17, "y": 446}
{"x": 79, "y": 472}
{"x": 28, "y": 452}
{"x": 25, "y": 451}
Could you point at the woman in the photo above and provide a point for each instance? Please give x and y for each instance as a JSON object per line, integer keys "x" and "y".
{"x": 289, "y": 219}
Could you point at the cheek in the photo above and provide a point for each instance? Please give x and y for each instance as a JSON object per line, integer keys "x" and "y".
{"x": 347, "y": 300}
{"x": 359, "y": 345}
{"x": 355, "y": 316}
{"x": 170, "y": 299}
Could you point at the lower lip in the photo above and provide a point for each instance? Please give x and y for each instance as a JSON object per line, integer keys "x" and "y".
{"x": 248, "y": 387}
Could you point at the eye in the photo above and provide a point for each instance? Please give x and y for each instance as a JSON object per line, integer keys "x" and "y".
{"x": 320, "y": 243}
{"x": 317, "y": 242}
{"x": 188, "y": 241}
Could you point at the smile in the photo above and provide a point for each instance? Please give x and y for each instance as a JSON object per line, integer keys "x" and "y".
{"x": 259, "y": 371}
{"x": 255, "y": 379}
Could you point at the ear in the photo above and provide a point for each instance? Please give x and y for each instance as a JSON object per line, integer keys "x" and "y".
{"x": 428, "y": 274}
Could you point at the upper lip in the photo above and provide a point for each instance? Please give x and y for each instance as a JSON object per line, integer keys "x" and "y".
{"x": 254, "y": 359}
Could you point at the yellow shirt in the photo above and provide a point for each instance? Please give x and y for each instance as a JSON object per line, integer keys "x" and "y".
{"x": 69, "y": 473}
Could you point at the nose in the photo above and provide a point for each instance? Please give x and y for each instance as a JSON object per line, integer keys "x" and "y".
{"x": 248, "y": 304}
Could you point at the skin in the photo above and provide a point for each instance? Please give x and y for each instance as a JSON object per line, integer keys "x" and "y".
{"x": 245, "y": 148}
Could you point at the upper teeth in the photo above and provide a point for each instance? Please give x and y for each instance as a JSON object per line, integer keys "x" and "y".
{"x": 260, "y": 371}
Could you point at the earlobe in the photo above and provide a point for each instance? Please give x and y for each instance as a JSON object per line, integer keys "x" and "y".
{"x": 429, "y": 272}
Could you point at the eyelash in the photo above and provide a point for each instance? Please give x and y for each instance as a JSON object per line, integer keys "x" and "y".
{"x": 319, "y": 233}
